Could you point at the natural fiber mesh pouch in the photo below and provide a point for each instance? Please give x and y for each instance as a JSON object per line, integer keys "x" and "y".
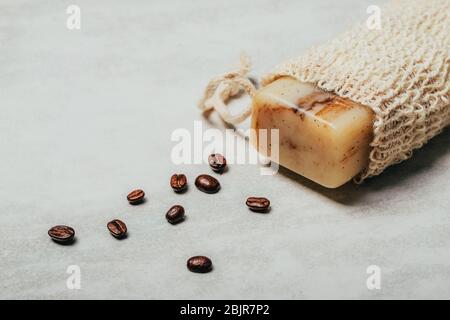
{"x": 400, "y": 71}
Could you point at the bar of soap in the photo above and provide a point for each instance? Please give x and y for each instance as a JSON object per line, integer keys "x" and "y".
{"x": 322, "y": 136}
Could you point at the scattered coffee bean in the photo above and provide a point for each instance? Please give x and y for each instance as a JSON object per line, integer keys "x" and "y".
{"x": 258, "y": 204}
{"x": 217, "y": 162}
{"x": 136, "y": 196}
{"x": 178, "y": 182}
{"x": 175, "y": 214}
{"x": 62, "y": 234}
{"x": 117, "y": 228}
{"x": 199, "y": 264}
{"x": 207, "y": 184}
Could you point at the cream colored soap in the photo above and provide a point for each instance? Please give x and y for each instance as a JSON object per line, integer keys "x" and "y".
{"x": 321, "y": 136}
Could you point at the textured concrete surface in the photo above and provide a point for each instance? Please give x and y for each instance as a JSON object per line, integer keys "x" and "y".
{"x": 87, "y": 115}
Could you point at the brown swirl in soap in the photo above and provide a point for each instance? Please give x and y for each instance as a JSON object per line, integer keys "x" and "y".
{"x": 314, "y": 98}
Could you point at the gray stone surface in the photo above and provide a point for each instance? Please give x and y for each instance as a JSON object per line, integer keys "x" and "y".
{"x": 87, "y": 115}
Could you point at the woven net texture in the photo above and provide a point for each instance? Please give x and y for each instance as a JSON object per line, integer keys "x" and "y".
{"x": 401, "y": 71}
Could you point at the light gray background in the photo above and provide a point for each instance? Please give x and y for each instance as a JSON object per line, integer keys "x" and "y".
{"x": 87, "y": 115}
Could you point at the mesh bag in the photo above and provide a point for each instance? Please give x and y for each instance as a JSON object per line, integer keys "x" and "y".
{"x": 400, "y": 71}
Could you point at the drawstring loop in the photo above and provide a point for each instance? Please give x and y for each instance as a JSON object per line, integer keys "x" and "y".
{"x": 220, "y": 89}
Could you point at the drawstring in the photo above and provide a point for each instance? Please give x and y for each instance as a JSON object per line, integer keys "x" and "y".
{"x": 220, "y": 89}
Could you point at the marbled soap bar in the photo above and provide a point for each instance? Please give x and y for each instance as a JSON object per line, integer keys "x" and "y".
{"x": 321, "y": 136}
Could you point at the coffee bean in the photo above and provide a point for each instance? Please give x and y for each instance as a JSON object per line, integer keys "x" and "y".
{"x": 136, "y": 196}
{"x": 207, "y": 184}
{"x": 117, "y": 228}
{"x": 62, "y": 234}
{"x": 258, "y": 204}
{"x": 178, "y": 182}
{"x": 217, "y": 162}
{"x": 199, "y": 264}
{"x": 175, "y": 214}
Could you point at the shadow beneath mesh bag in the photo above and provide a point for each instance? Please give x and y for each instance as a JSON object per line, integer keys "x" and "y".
{"x": 402, "y": 175}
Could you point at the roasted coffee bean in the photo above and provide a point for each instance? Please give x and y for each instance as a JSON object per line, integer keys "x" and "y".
{"x": 217, "y": 162}
{"x": 136, "y": 196}
{"x": 117, "y": 228}
{"x": 178, "y": 182}
{"x": 62, "y": 234}
{"x": 199, "y": 264}
{"x": 175, "y": 214}
{"x": 258, "y": 204}
{"x": 207, "y": 184}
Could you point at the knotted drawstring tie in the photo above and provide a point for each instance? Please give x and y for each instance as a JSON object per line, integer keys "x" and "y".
{"x": 220, "y": 89}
